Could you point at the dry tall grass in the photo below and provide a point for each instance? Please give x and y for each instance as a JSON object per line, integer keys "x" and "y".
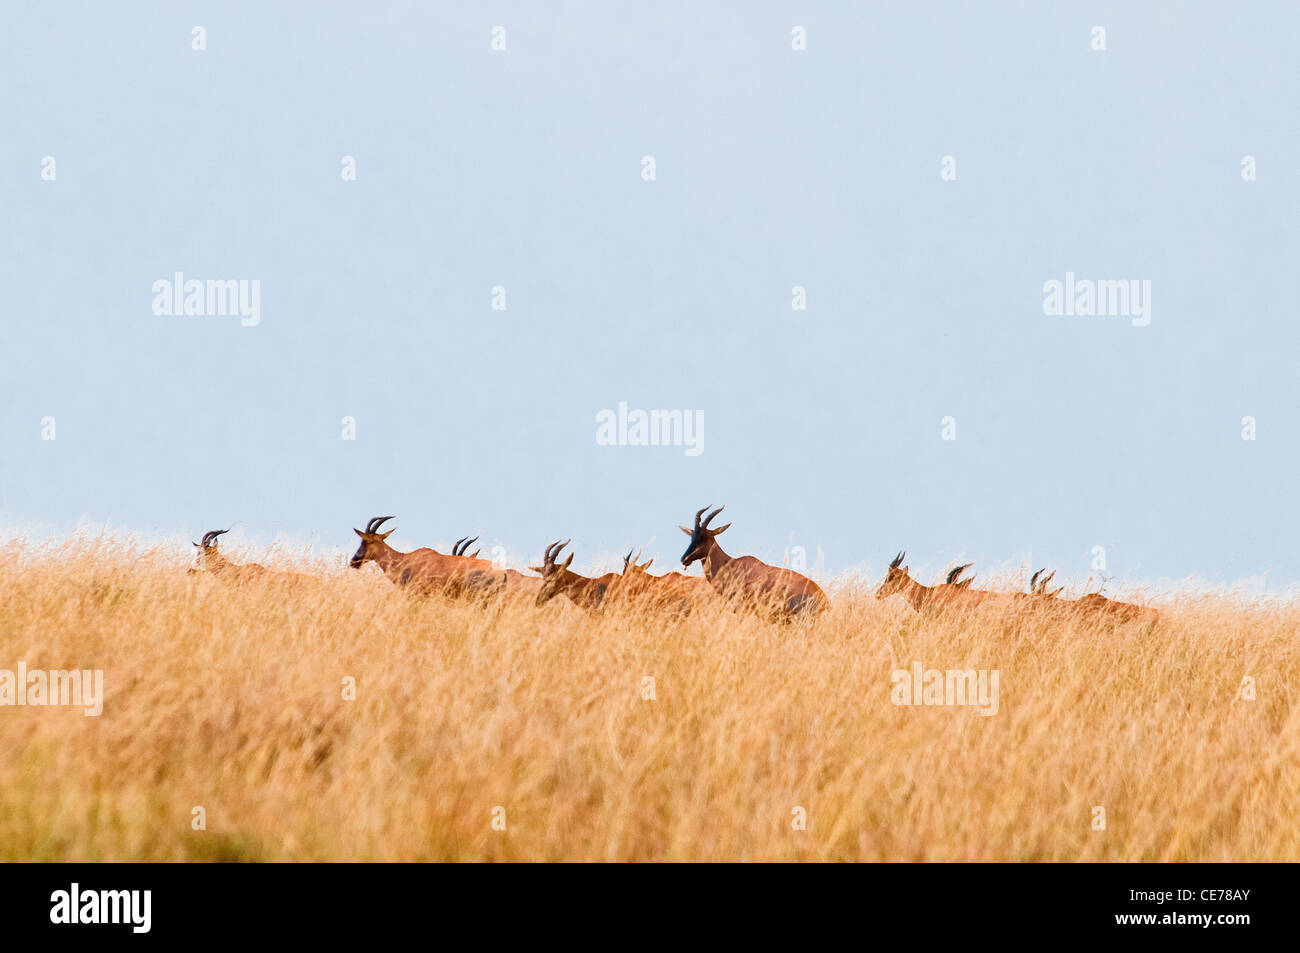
{"x": 231, "y": 699}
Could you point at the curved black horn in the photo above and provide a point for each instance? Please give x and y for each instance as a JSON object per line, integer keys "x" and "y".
{"x": 898, "y": 560}
{"x": 708, "y": 519}
{"x": 552, "y": 551}
{"x": 376, "y": 522}
{"x": 956, "y": 573}
{"x": 211, "y": 537}
{"x": 700, "y": 513}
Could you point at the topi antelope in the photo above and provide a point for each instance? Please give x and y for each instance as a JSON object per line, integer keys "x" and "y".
{"x": 1092, "y": 604}
{"x": 673, "y": 590}
{"x": 748, "y": 582}
{"x": 583, "y": 591}
{"x": 424, "y": 570}
{"x": 696, "y": 587}
{"x": 1038, "y": 594}
{"x": 929, "y": 598}
{"x": 635, "y": 579}
{"x": 210, "y": 559}
{"x": 1097, "y": 604}
{"x": 632, "y": 565}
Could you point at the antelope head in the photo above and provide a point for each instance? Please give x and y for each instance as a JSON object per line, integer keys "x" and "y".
{"x": 701, "y": 537}
{"x": 207, "y": 547}
{"x": 372, "y": 541}
{"x": 556, "y": 577}
{"x": 896, "y": 579}
{"x": 632, "y": 568}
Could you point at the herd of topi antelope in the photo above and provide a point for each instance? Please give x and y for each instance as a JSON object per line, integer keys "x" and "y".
{"x": 743, "y": 582}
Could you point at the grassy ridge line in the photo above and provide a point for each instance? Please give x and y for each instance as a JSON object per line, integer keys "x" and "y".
{"x": 231, "y": 699}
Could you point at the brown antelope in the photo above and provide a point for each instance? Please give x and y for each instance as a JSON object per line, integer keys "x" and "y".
{"x": 1092, "y": 604}
{"x": 748, "y": 582}
{"x": 583, "y": 591}
{"x": 674, "y": 591}
{"x": 635, "y": 581}
{"x": 929, "y": 598}
{"x": 1097, "y": 604}
{"x": 1038, "y": 595}
{"x": 210, "y": 559}
{"x": 692, "y": 586}
{"x": 632, "y": 565}
{"x": 424, "y": 570}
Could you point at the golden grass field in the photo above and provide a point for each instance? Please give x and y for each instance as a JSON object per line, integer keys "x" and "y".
{"x": 232, "y": 699}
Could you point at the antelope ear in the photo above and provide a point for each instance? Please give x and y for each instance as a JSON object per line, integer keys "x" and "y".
{"x": 720, "y": 529}
{"x": 538, "y": 569}
{"x": 684, "y": 530}
{"x": 568, "y": 562}
{"x": 354, "y": 529}
{"x": 646, "y": 565}
{"x": 196, "y": 544}
{"x": 388, "y": 534}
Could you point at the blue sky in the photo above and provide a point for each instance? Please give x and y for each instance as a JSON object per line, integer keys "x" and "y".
{"x": 775, "y": 168}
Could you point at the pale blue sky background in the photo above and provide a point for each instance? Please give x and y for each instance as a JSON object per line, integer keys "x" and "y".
{"x": 775, "y": 168}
